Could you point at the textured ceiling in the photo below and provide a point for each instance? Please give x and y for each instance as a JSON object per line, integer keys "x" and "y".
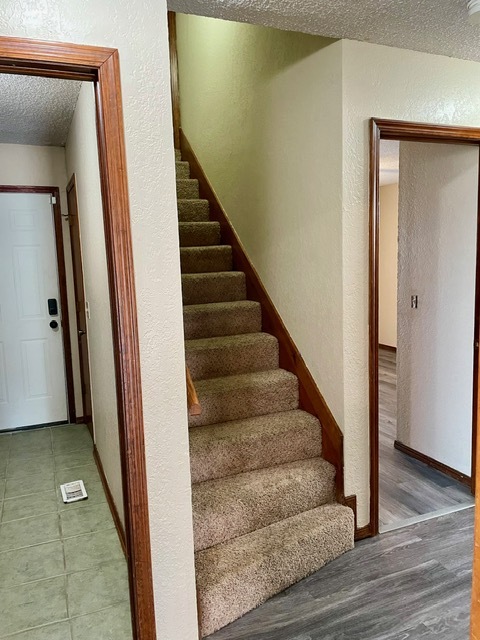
{"x": 389, "y": 161}
{"x": 36, "y": 110}
{"x": 433, "y": 26}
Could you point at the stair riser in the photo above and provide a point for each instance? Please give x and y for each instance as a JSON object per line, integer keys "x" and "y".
{"x": 218, "y": 288}
{"x": 178, "y": 154}
{"x": 218, "y": 458}
{"x": 260, "y": 509}
{"x": 208, "y": 260}
{"x": 193, "y": 211}
{"x": 199, "y": 234}
{"x": 246, "y": 402}
{"x": 187, "y": 189}
{"x": 295, "y": 558}
{"x": 182, "y": 170}
{"x": 214, "y": 363}
{"x": 211, "y": 323}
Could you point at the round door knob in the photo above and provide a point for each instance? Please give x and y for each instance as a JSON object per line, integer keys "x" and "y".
{"x": 81, "y": 332}
{"x": 54, "y": 324}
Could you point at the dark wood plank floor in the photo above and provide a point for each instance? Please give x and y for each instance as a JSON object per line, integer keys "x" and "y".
{"x": 408, "y": 488}
{"x": 410, "y": 584}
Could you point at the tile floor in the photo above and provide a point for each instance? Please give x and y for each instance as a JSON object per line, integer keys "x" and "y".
{"x": 63, "y": 575}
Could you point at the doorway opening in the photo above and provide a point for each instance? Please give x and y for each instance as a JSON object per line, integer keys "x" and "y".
{"x": 423, "y": 330}
{"x": 81, "y": 559}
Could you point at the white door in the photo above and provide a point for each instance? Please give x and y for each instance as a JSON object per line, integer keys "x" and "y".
{"x": 32, "y": 371}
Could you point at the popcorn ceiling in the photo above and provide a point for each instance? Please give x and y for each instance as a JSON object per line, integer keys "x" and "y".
{"x": 429, "y": 26}
{"x": 36, "y": 110}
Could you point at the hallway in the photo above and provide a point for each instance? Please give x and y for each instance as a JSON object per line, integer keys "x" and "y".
{"x": 408, "y": 488}
{"x": 63, "y": 575}
{"x": 409, "y": 584}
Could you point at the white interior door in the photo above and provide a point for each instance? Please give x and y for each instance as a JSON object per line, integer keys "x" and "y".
{"x": 32, "y": 369}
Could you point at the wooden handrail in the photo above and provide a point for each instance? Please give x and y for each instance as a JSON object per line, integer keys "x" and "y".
{"x": 194, "y": 408}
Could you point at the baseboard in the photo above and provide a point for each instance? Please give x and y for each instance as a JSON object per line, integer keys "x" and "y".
{"x": 439, "y": 466}
{"x": 387, "y": 347}
{"x": 363, "y": 532}
{"x": 311, "y": 400}
{"x": 110, "y": 500}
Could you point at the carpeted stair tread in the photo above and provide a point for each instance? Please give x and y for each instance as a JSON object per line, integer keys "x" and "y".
{"x": 239, "y": 575}
{"x": 178, "y": 154}
{"x": 224, "y": 286}
{"x": 193, "y": 210}
{"x": 182, "y": 169}
{"x": 221, "y": 318}
{"x": 231, "y": 355}
{"x": 206, "y": 259}
{"x": 198, "y": 234}
{"x": 187, "y": 188}
{"x": 221, "y": 450}
{"x": 245, "y": 396}
{"x": 234, "y": 506}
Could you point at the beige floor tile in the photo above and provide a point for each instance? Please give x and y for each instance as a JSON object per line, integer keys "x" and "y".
{"x": 95, "y": 589}
{"x": 92, "y": 549}
{"x": 109, "y": 624}
{"x": 94, "y": 517}
{"x": 28, "y": 485}
{"x": 29, "y": 506}
{"x": 32, "y": 605}
{"x": 31, "y": 563}
{"x": 29, "y": 531}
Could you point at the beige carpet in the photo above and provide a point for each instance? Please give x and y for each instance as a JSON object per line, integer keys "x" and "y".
{"x": 263, "y": 497}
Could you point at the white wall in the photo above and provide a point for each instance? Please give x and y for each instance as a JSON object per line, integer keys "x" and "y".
{"x": 387, "y": 281}
{"x": 82, "y": 160}
{"x": 437, "y": 262}
{"x": 138, "y": 28}
{"x": 262, "y": 110}
{"x": 383, "y": 82}
{"x": 37, "y": 166}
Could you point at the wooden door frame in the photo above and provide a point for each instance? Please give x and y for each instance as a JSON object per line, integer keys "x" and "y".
{"x": 101, "y": 66}
{"x": 62, "y": 284}
{"x": 87, "y": 417}
{"x": 381, "y": 129}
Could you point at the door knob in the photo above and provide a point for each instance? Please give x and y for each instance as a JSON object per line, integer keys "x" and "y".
{"x": 81, "y": 332}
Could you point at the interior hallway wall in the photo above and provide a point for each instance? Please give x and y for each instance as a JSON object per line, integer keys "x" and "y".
{"x": 388, "y": 250}
{"x": 437, "y": 262}
{"x": 41, "y": 166}
{"x": 262, "y": 111}
{"x": 138, "y": 29}
{"x": 382, "y": 82}
{"x": 82, "y": 160}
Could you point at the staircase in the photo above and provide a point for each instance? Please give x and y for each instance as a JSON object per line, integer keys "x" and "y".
{"x": 264, "y": 507}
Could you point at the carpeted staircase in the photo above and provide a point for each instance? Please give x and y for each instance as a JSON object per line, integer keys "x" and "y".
{"x": 264, "y": 506}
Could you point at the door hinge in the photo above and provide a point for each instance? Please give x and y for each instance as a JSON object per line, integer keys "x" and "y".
{"x": 53, "y": 200}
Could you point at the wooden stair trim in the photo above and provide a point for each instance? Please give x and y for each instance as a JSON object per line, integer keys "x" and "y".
{"x": 194, "y": 408}
{"x": 311, "y": 399}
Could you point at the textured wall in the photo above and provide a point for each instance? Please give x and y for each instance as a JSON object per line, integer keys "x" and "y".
{"x": 385, "y": 83}
{"x": 82, "y": 160}
{"x": 437, "y": 258}
{"x": 262, "y": 110}
{"x": 387, "y": 312}
{"x": 37, "y": 166}
{"x": 138, "y": 29}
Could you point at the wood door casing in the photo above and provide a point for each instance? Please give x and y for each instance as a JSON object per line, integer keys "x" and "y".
{"x": 80, "y": 309}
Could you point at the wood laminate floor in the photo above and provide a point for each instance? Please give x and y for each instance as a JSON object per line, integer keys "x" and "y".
{"x": 408, "y": 488}
{"x": 410, "y": 584}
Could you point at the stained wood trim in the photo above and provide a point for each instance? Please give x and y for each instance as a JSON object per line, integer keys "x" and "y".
{"x": 174, "y": 80}
{"x": 364, "y": 532}
{"x": 63, "y": 60}
{"x": 311, "y": 399}
{"x": 420, "y": 132}
{"x": 110, "y": 500}
{"x": 431, "y": 462}
{"x": 387, "y": 347}
{"x": 62, "y": 284}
